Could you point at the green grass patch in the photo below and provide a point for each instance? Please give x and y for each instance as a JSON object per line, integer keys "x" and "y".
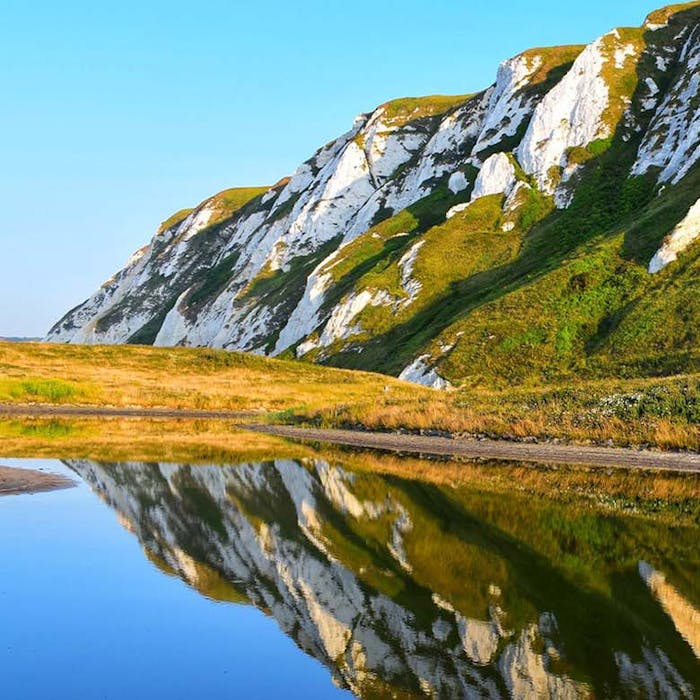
{"x": 43, "y": 390}
{"x": 403, "y": 110}
{"x": 177, "y": 218}
{"x": 228, "y": 202}
{"x": 664, "y": 14}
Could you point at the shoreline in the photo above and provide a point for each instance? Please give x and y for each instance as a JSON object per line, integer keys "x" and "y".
{"x": 408, "y": 443}
{"x": 15, "y": 481}
{"x": 502, "y": 450}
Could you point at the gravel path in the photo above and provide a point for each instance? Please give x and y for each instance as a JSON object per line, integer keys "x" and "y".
{"x": 543, "y": 453}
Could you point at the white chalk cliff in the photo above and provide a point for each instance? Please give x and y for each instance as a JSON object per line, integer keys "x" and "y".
{"x": 273, "y": 275}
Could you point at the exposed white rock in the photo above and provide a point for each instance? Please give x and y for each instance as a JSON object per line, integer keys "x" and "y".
{"x": 685, "y": 616}
{"x": 344, "y": 186}
{"x": 497, "y": 175}
{"x": 269, "y": 196}
{"x": 442, "y": 155}
{"x": 441, "y": 629}
{"x": 662, "y": 63}
{"x": 175, "y": 326}
{"x": 442, "y": 603}
{"x": 301, "y": 179}
{"x": 389, "y": 151}
{"x": 479, "y": 639}
{"x": 335, "y": 195}
{"x": 457, "y": 182}
{"x": 571, "y": 114}
{"x": 653, "y": 87}
{"x": 622, "y": 53}
{"x": 420, "y": 372}
{"x": 204, "y": 329}
{"x": 456, "y": 209}
{"x": 196, "y": 221}
{"x": 340, "y": 323}
{"x": 678, "y": 240}
{"x": 311, "y": 343}
{"x": 508, "y": 107}
{"x": 527, "y": 676}
{"x": 244, "y": 233}
{"x": 654, "y": 676}
{"x": 280, "y": 243}
{"x": 389, "y": 146}
{"x": 377, "y": 168}
{"x": 512, "y": 201}
{"x": 248, "y": 330}
{"x": 653, "y": 26}
{"x": 672, "y": 142}
{"x": 304, "y": 318}
{"x": 406, "y": 264}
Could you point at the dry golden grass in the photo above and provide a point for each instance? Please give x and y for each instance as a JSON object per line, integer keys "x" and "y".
{"x": 182, "y": 378}
{"x": 572, "y": 413}
{"x": 673, "y": 498}
{"x": 179, "y": 378}
{"x": 140, "y": 440}
{"x": 562, "y": 482}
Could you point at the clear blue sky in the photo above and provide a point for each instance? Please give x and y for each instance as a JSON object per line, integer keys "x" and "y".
{"x": 117, "y": 113}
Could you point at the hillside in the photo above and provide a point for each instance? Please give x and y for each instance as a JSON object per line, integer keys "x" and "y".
{"x": 541, "y": 229}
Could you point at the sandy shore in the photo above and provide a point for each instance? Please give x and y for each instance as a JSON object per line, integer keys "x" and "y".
{"x": 542, "y": 453}
{"x": 16, "y": 481}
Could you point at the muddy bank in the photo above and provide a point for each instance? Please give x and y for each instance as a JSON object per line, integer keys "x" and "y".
{"x": 16, "y": 481}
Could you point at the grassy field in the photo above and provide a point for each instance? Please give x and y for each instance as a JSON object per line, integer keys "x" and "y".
{"x": 662, "y": 413}
{"x": 181, "y": 378}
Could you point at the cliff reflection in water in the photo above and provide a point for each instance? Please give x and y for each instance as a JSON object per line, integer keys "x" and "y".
{"x": 403, "y": 588}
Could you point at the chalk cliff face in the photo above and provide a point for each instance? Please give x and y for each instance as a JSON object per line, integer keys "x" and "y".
{"x": 415, "y": 591}
{"x": 401, "y": 245}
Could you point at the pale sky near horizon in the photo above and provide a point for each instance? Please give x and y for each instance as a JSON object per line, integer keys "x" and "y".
{"x": 116, "y": 114}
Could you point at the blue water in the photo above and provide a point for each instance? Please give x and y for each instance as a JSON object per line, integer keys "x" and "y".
{"x": 278, "y": 579}
{"x": 84, "y": 614}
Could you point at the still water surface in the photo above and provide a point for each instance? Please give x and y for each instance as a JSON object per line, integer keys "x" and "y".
{"x": 305, "y": 579}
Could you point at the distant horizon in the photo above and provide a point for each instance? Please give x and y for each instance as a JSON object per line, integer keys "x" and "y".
{"x": 119, "y": 117}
